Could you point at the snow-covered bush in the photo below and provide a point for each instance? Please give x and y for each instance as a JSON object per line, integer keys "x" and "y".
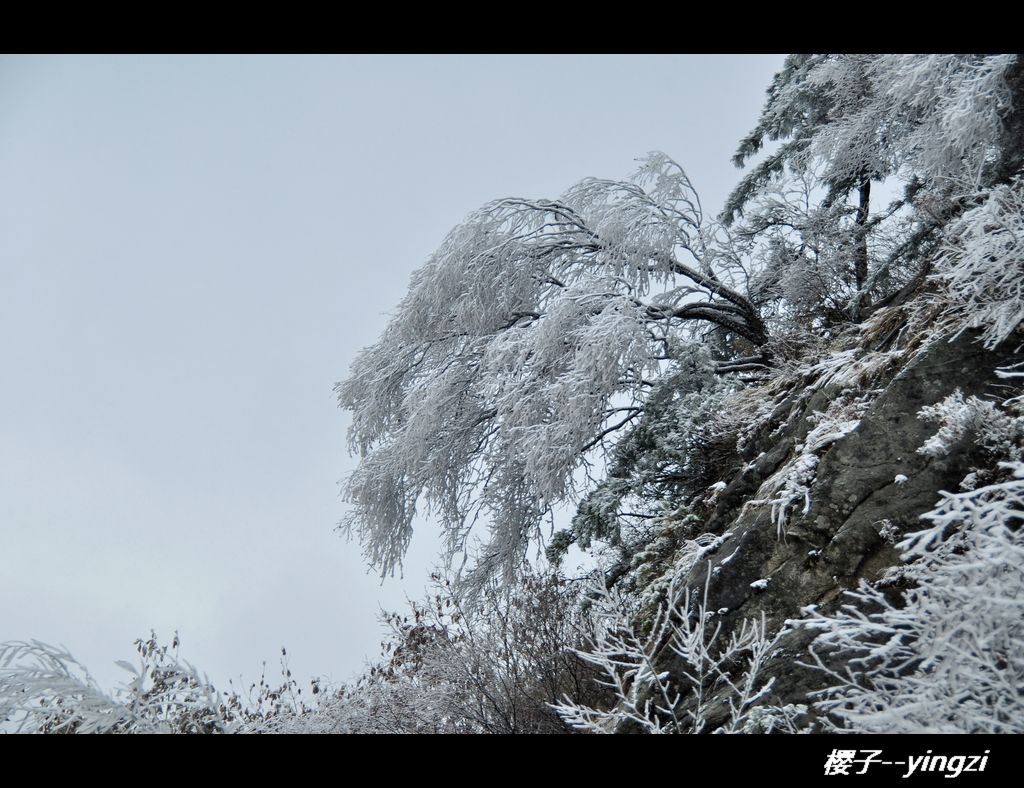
{"x": 44, "y": 689}
{"x": 999, "y": 433}
{"x": 651, "y": 699}
{"x": 949, "y": 656}
{"x": 448, "y": 668}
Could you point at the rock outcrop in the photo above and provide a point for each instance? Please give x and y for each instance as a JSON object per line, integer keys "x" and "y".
{"x": 816, "y": 509}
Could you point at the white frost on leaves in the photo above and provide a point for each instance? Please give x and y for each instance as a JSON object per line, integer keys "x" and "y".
{"x": 947, "y": 108}
{"x": 959, "y": 417}
{"x": 981, "y": 267}
{"x": 836, "y": 368}
{"x": 932, "y": 114}
{"x": 776, "y": 719}
{"x": 829, "y": 429}
{"x": 44, "y": 688}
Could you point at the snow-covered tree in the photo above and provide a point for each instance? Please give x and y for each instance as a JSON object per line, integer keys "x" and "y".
{"x": 576, "y": 351}
{"x": 525, "y": 344}
{"x": 865, "y": 117}
{"x": 947, "y": 125}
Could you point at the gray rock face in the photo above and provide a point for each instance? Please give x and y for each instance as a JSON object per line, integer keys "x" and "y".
{"x": 855, "y": 495}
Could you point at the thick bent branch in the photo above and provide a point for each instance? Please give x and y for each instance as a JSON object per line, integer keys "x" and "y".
{"x": 738, "y": 315}
{"x": 748, "y": 364}
{"x": 722, "y": 315}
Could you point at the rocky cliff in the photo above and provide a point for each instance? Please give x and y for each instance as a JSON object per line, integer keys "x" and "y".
{"x": 827, "y": 481}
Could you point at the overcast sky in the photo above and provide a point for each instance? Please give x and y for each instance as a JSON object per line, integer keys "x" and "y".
{"x": 192, "y": 251}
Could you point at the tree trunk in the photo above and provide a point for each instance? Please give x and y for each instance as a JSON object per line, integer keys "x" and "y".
{"x": 860, "y": 249}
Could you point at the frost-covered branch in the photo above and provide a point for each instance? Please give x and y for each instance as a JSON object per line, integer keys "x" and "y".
{"x": 981, "y": 265}
{"x": 44, "y": 689}
{"x": 652, "y": 699}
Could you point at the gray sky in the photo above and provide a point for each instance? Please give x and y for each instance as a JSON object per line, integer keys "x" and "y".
{"x": 192, "y": 251}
